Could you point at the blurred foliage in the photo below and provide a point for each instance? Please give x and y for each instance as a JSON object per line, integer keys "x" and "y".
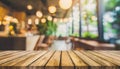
{"x": 115, "y": 25}
{"x": 51, "y": 28}
{"x": 112, "y": 4}
{"x": 75, "y": 35}
{"x": 89, "y": 35}
{"x": 116, "y": 22}
{"x": 88, "y": 20}
{"x": 42, "y": 28}
{"x": 48, "y": 28}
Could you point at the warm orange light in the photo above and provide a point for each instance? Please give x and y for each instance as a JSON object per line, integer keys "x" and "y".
{"x": 55, "y": 19}
{"x": 12, "y": 32}
{"x": 8, "y": 18}
{"x": 39, "y": 14}
{"x": 65, "y": 19}
{"x": 29, "y": 7}
{"x": 49, "y": 18}
{"x": 36, "y": 21}
{"x": 52, "y": 9}
{"x": 43, "y": 20}
{"x": 5, "y": 22}
{"x": 29, "y": 21}
{"x": 65, "y": 4}
{"x": 0, "y": 22}
{"x": 15, "y": 20}
{"x": 61, "y": 20}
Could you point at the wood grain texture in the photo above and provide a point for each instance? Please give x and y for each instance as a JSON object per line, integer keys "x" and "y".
{"x": 91, "y": 63}
{"x": 25, "y": 60}
{"x": 79, "y": 64}
{"x": 112, "y": 60}
{"x": 66, "y": 62}
{"x": 41, "y": 62}
{"x": 11, "y": 56}
{"x": 102, "y": 62}
{"x": 60, "y": 59}
{"x": 6, "y": 53}
{"x": 54, "y": 62}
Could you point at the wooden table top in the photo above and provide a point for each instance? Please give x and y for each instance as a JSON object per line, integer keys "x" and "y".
{"x": 59, "y": 59}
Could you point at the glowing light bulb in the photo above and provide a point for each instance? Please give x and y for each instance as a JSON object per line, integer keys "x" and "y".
{"x": 36, "y": 21}
{"x": 49, "y": 18}
{"x": 65, "y": 4}
{"x": 39, "y": 14}
{"x": 55, "y": 20}
{"x": 52, "y": 9}
{"x": 43, "y": 20}
{"x": 29, "y": 7}
{"x": 29, "y": 21}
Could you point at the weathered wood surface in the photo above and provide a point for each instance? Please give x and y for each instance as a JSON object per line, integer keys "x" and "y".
{"x": 60, "y": 59}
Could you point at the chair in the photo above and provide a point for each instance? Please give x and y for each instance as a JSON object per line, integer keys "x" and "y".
{"x": 40, "y": 44}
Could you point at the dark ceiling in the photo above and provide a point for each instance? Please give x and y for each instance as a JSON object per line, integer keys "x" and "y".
{"x": 21, "y": 5}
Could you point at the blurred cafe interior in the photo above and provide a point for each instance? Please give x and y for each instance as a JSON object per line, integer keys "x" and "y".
{"x": 59, "y": 25}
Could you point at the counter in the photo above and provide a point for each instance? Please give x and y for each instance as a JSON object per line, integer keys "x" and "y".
{"x": 18, "y": 42}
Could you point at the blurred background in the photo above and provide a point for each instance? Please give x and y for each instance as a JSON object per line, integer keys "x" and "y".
{"x": 97, "y": 20}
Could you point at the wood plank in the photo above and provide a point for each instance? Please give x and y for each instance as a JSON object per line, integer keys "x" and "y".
{"x": 25, "y": 60}
{"x": 12, "y": 56}
{"x": 104, "y": 64}
{"x": 31, "y": 58}
{"x": 6, "y": 53}
{"x": 92, "y": 64}
{"x": 113, "y": 53}
{"x": 54, "y": 62}
{"x": 66, "y": 62}
{"x": 41, "y": 62}
{"x": 79, "y": 64}
{"x": 116, "y": 62}
{"x": 117, "y": 57}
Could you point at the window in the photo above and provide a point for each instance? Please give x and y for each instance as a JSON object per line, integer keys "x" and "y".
{"x": 89, "y": 19}
{"x": 111, "y": 19}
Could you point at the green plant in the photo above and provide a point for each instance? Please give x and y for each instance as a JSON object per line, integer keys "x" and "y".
{"x": 48, "y": 28}
{"x": 75, "y": 34}
{"x": 42, "y": 28}
{"x": 113, "y": 7}
{"x": 51, "y": 28}
{"x": 89, "y": 35}
{"x": 116, "y": 23}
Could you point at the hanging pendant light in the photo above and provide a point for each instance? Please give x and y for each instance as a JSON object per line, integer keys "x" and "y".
{"x": 37, "y": 21}
{"x": 29, "y": 21}
{"x": 49, "y": 18}
{"x": 55, "y": 20}
{"x": 52, "y": 9}
{"x": 65, "y": 4}
{"x": 39, "y": 14}
{"x": 43, "y": 20}
{"x": 29, "y": 7}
